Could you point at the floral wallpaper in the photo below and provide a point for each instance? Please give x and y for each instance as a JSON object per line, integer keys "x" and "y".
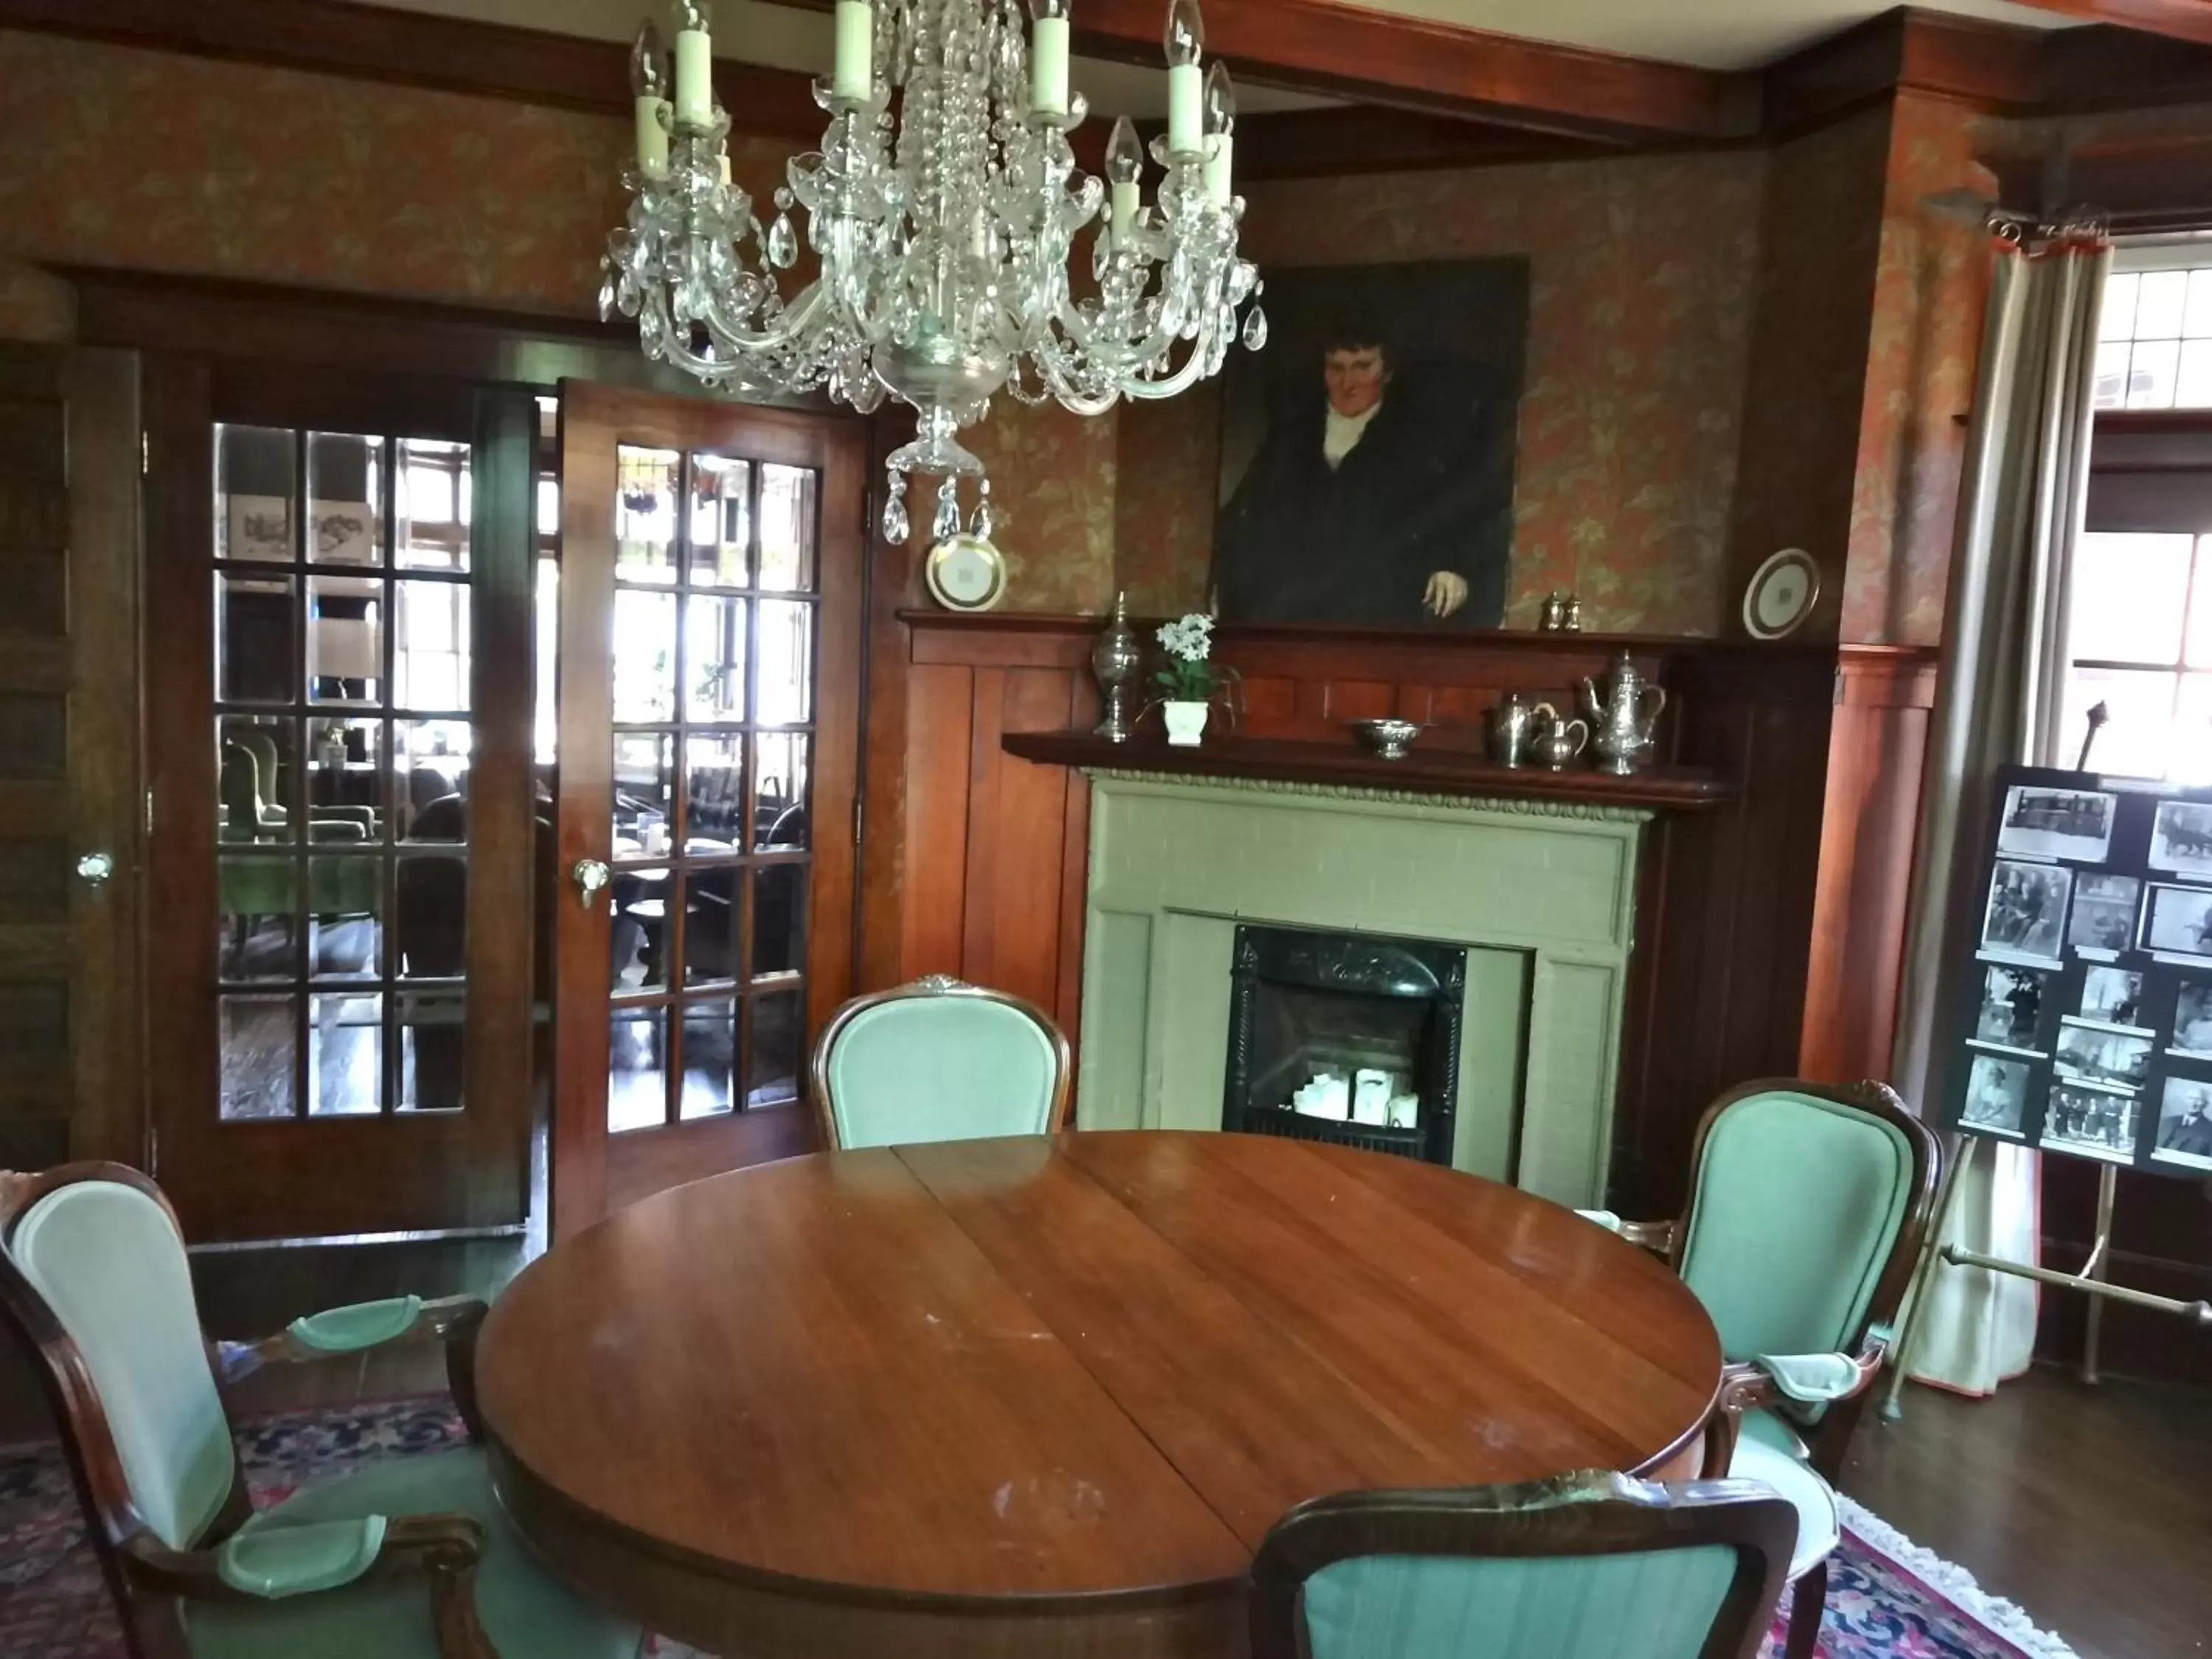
{"x": 1647, "y": 339}
{"x": 1052, "y": 495}
{"x": 1807, "y": 378}
{"x": 1931, "y": 279}
{"x": 1641, "y": 273}
{"x": 235, "y": 170}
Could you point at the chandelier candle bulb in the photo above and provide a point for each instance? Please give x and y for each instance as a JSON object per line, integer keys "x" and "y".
{"x": 1220, "y": 132}
{"x": 1125, "y": 171}
{"x": 1186, "y": 45}
{"x": 1049, "y": 56}
{"x": 854, "y": 72}
{"x": 647, "y": 83}
{"x": 694, "y": 68}
{"x": 652, "y": 137}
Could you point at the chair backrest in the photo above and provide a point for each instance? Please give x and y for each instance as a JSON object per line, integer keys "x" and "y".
{"x": 1593, "y": 1565}
{"x": 239, "y": 783}
{"x": 938, "y": 1060}
{"x": 1807, "y": 1205}
{"x": 94, "y": 1274}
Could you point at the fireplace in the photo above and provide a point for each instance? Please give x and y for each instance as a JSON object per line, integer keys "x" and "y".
{"x": 1352, "y": 1038}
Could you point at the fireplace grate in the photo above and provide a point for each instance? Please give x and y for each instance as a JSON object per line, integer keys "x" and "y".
{"x": 1345, "y": 1038}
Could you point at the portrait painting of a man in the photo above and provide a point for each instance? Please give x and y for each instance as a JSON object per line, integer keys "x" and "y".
{"x": 1367, "y": 454}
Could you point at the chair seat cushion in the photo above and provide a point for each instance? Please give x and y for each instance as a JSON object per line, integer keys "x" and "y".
{"x": 1820, "y": 1529}
{"x": 524, "y": 1612}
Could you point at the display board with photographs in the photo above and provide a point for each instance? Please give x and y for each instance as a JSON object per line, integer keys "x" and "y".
{"x": 2087, "y": 1027}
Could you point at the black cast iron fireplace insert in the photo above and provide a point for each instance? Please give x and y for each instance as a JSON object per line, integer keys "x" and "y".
{"x": 1355, "y": 1022}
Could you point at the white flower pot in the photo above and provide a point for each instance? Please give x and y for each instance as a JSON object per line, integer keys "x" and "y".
{"x": 1186, "y": 721}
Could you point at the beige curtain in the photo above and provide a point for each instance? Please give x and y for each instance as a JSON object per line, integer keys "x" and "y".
{"x": 2000, "y": 700}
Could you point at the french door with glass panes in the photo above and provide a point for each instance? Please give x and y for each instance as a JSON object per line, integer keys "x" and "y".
{"x": 710, "y": 596}
{"x": 339, "y": 714}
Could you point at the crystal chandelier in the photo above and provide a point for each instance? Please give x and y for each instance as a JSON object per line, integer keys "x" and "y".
{"x": 942, "y": 238}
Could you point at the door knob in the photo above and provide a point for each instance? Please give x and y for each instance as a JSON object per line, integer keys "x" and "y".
{"x": 590, "y": 875}
{"x": 95, "y": 868}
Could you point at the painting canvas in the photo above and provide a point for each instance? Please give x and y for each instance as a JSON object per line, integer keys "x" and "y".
{"x": 1367, "y": 454}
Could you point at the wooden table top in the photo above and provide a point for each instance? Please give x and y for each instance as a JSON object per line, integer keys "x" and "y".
{"x": 1098, "y": 1366}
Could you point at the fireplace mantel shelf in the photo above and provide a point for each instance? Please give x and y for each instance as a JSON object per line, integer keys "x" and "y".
{"x": 1429, "y": 771}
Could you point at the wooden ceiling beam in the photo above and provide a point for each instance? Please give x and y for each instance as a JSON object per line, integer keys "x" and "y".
{"x": 413, "y": 49}
{"x": 1347, "y": 51}
{"x": 2182, "y": 20}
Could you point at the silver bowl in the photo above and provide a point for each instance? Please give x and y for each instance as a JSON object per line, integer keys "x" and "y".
{"x": 1389, "y": 740}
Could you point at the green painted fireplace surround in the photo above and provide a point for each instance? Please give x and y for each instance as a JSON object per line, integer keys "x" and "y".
{"x": 1542, "y": 894}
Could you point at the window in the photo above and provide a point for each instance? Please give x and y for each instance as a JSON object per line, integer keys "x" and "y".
{"x": 2155, "y": 340}
{"x": 2140, "y": 639}
{"x": 2141, "y": 645}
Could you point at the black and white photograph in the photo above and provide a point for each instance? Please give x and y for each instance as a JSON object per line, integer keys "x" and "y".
{"x": 2185, "y": 1124}
{"x": 2113, "y": 997}
{"x": 2093, "y": 1122}
{"x": 2012, "y": 1007}
{"x": 2027, "y": 909}
{"x": 2104, "y": 917}
{"x": 2192, "y": 1020}
{"x": 2044, "y": 822}
{"x": 2181, "y": 838}
{"x": 1367, "y": 455}
{"x": 1997, "y": 1095}
{"x": 2103, "y": 1056}
{"x": 2178, "y": 922}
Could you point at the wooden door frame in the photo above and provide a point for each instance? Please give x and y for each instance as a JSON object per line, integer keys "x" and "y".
{"x": 839, "y": 446}
{"x": 458, "y": 1183}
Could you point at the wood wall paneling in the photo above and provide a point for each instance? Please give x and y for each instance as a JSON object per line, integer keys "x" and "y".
{"x": 1878, "y": 738}
{"x": 1765, "y": 924}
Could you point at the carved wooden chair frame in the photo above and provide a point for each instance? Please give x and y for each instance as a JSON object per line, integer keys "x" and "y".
{"x": 1593, "y": 1513}
{"x": 1745, "y": 1387}
{"x": 932, "y": 986}
{"x": 149, "y": 1580}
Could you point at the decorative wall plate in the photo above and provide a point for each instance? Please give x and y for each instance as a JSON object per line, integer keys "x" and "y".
{"x": 965, "y": 573}
{"x": 1782, "y": 594}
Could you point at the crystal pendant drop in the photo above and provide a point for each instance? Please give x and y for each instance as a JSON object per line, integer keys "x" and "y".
{"x": 947, "y": 523}
{"x": 1256, "y": 329}
{"x": 894, "y": 524}
{"x": 782, "y": 243}
{"x": 983, "y": 522}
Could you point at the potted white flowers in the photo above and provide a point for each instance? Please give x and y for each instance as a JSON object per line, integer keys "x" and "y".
{"x": 1191, "y": 680}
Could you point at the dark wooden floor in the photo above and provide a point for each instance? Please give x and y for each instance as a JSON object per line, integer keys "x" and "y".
{"x": 2090, "y": 1507}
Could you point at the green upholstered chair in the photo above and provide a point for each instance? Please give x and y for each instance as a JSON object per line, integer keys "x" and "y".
{"x": 938, "y": 1060}
{"x": 1584, "y": 1566}
{"x": 410, "y": 1558}
{"x": 1809, "y": 1205}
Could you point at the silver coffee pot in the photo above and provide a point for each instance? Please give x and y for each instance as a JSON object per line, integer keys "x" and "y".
{"x": 1512, "y": 727}
{"x": 1623, "y": 714}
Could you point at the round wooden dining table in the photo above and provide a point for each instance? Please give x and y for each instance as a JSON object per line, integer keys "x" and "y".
{"x": 1043, "y": 1396}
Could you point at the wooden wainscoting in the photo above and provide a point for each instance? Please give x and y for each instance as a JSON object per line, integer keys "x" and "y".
{"x": 1769, "y": 930}
{"x": 994, "y": 848}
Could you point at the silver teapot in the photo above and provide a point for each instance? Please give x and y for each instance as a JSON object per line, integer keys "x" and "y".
{"x": 1512, "y": 727}
{"x": 1622, "y": 715}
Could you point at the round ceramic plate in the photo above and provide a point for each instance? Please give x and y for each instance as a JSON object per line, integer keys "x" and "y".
{"x": 965, "y": 573}
{"x": 1780, "y": 594}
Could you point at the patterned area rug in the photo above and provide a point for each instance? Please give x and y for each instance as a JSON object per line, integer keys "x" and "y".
{"x": 1886, "y": 1596}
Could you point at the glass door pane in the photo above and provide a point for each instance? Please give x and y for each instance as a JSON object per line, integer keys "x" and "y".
{"x": 712, "y": 698}
{"x": 343, "y": 735}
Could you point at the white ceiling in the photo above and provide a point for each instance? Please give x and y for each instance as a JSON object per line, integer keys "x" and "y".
{"x": 1722, "y": 34}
